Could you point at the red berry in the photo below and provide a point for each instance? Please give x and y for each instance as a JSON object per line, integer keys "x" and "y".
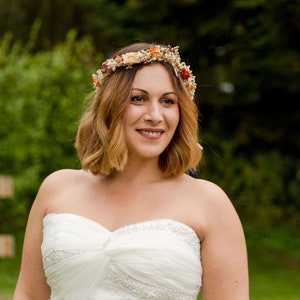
{"x": 184, "y": 74}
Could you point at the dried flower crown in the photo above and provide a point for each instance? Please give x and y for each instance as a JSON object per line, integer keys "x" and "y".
{"x": 153, "y": 54}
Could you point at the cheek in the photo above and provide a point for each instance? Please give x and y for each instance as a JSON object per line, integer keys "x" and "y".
{"x": 175, "y": 118}
{"x": 131, "y": 113}
{"x": 127, "y": 116}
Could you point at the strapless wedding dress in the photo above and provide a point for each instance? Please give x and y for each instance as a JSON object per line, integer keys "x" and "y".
{"x": 157, "y": 259}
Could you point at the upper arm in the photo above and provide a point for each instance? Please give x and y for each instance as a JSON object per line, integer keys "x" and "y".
{"x": 224, "y": 254}
{"x": 32, "y": 283}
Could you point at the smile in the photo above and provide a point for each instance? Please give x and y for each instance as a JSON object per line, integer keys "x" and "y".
{"x": 151, "y": 134}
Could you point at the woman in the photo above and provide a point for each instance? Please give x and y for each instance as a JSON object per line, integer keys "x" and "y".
{"x": 131, "y": 224}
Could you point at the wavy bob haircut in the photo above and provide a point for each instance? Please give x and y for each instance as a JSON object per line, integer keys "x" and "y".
{"x": 100, "y": 141}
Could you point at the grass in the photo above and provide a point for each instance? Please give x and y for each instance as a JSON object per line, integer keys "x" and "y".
{"x": 274, "y": 264}
{"x": 9, "y": 269}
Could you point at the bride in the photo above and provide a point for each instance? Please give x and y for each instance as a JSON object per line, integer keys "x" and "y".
{"x": 131, "y": 224}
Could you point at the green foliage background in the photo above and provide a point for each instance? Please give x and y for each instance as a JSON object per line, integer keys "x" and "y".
{"x": 249, "y": 132}
{"x": 41, "y": 101}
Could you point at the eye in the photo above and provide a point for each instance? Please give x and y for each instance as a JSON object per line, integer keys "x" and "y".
{"x": 138, "y": 99}
{"x": 169, "y": 101}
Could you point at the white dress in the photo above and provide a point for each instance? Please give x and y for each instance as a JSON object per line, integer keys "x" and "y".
{"x": 157, "y": 259}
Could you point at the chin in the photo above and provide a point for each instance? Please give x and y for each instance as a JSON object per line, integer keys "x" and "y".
{"x": 147, "y": 153}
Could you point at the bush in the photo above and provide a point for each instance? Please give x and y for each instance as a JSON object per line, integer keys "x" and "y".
{"x": 41, "y": 100}
{"x": 264, "y": 186}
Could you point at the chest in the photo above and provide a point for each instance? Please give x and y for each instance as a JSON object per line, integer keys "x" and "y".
{"x": 138, "y": 203}
{"x": 115, "y": 206}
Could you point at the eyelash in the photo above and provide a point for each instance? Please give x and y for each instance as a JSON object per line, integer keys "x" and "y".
{"x": 166, "y": 101}
{"x": 169, "y": 101}
{"x": 136, "y": 98}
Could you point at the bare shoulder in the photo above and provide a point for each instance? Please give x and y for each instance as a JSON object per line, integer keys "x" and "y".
{"x": 207, "y": 193}
{"x": 209, "y": 189}
{"x": 212, "y": 195}
{"x": 57, "y": 186}
{"x": 216, "y": 201}
{"x": 211, "y": 208}
{"x": 62, "y": 176}
{"x": 65, "y": 178}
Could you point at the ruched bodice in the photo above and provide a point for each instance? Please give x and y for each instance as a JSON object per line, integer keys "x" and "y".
{"x": 157, "y": 259}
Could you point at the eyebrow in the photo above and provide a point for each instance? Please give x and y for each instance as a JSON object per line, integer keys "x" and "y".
{"x": 144, "y": 91}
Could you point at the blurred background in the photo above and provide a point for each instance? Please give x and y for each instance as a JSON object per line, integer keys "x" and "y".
{"x": 246, "y": 58}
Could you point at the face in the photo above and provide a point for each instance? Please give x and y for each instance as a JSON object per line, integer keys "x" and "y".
{"x": 152, "y": 114}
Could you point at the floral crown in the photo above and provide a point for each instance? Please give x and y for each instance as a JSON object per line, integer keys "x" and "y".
{"x": 153, "y": 54}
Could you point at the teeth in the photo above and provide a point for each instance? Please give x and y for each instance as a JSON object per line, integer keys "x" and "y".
{"x": 150, "y": 133}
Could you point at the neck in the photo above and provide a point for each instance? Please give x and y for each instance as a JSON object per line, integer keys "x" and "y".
{"x": 139, "y": 171}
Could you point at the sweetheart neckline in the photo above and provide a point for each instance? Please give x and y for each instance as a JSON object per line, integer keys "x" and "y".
{"x": 123, "y": 227}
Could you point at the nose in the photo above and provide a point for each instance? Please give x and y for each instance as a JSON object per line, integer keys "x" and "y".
{"x": 153, "y": 113}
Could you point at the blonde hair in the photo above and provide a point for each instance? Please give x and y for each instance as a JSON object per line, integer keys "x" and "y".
{"x": 100, "y": 141}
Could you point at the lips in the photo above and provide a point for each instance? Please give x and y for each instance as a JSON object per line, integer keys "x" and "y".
{"x": 150, "y": 133}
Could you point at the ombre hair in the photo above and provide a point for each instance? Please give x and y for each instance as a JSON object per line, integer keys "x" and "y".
{"x": 100, "y": 140}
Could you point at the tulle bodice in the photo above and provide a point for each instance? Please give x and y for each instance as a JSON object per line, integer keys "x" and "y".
{"x": 157, "y": 259}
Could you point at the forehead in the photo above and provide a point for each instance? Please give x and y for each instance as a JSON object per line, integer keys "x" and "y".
{"x": 151, "y": 76}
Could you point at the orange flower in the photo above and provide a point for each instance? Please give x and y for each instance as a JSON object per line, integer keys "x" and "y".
{"x": 118, "y": 58}
{"x": 154, "y": 51}
{"x": 95, "y": 80}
